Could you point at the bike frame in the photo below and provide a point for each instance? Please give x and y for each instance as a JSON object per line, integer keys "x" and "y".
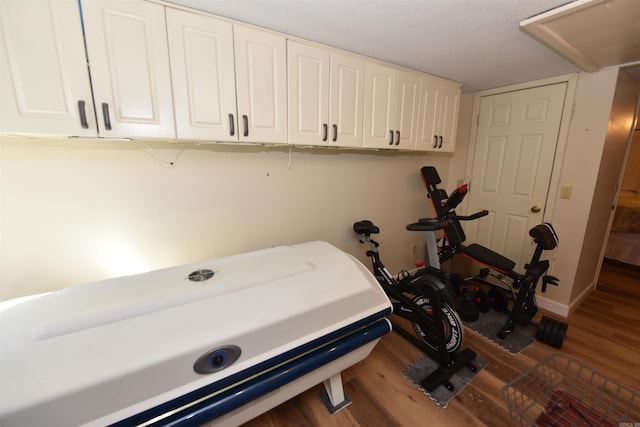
{"x": 430, "y": 286}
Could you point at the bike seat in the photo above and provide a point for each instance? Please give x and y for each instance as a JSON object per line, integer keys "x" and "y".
{"x": 544, "y": 235}
{"x": 488, "y": 257}
{"x": 365, "y": 227}
{"x": 426, "y": 224}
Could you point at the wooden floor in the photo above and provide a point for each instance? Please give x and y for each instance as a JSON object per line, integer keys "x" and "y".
{"x": 604, "y": 333}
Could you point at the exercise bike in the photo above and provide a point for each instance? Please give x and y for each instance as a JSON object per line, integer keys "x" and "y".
{"x": 521, "y": 286}
{"x": 423, "y": 299}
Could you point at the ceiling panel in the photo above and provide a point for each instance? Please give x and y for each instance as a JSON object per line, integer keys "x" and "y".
{"x": 593, "y": 34}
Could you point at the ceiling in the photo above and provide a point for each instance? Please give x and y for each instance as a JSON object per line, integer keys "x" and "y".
{"x": 478, "y": 43}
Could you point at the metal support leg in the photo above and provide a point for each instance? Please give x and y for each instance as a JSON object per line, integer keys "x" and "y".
{"x": 334, "y": 397}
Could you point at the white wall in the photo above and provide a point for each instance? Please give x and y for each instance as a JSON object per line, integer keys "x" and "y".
{"x": 458, "y": 165}
{"x": 79, "y": 211}
{"x": 579, "y": 170}
{"x": 578, "y": 255}
{"x": 619, "y": 130}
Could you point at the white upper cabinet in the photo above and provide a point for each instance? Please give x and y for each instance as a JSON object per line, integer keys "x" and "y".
{"x": 346, "y": 101}
{"x": 438, "y": 117}
{"x": 261, "y": 85}
{"x": 428, "y": 128}
{"x": 203, "y": 76}
{"x": 44, "y": 79}
{"x": 407, "y": 102}
{"x": 449, "y": 111}
{"x": 380, "y": 91}
{"x": 144, "y": 69}
{"x": 129, "y": 58}
{"x": 308, "y": 79}
{"x": 391, "y": 107}
{"x": 207, "y": 72}
{"x": 325, "y": 96}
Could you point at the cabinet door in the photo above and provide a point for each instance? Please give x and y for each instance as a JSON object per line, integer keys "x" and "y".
{"x": 430, "y": 93}
{"x": 449, "y": 110}
{"x": 308, "y": 79}
{"x": 346, "y": 101}
{"x": 438, "y": 117}
{"x": 379, "y": 106}
{"x": 129, "y": 59}
{"x": 44, "y": 78}
{"x": 407, "y": 110}
{"x": 261, "y": 83}
{"x": 203, "y": 76}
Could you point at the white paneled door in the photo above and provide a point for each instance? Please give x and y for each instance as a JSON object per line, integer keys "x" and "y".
{"x": 515, "y": 148}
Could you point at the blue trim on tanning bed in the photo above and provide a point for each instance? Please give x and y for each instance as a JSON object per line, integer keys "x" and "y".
{"x": 333, "y": 344}
{"x": 245, "y": 393}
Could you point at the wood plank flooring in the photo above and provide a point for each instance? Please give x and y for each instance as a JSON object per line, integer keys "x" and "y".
{"x": 604, "y": 333}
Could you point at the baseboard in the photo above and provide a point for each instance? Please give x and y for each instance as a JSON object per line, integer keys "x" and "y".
{"x": 582, "y": 296}
{"x": 552, "y": 306}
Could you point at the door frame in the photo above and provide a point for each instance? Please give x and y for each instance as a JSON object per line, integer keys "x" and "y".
{"x": 567, "y": 114}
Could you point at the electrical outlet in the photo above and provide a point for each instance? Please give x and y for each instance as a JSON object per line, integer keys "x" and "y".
{"x": 414, "y": 249}
{"x": 565, "y": 191}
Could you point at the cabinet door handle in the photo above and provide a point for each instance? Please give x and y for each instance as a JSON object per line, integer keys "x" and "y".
{"x": 232, "y": 129}
{"x": 325, "y": 132}
{"x": 335, "y": 133}
{"x": 440, "y": 138}
{"x": 105, "y": 115}
{"x": 397, "y": 137}
{"x": 83, "y": 115}
{"x": 390, "y": 137}
{"x": 245, "y": 121}
{"x": 435, "y": 141}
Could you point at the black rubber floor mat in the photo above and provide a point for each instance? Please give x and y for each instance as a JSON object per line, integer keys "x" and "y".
{"x": 488, "y": 325}
{"x": 424, "y": 366}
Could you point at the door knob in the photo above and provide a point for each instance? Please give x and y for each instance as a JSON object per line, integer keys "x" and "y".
{"x": 535, "y": 209}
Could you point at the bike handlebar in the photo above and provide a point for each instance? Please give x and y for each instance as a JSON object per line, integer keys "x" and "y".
{"x": 453, "y": 216}
{"x": 433, "y": 224}
{"x": 469, "y": 217}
